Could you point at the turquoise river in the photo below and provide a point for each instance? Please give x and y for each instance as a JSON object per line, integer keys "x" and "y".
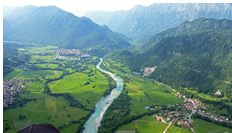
{"x": 92, "y": 124}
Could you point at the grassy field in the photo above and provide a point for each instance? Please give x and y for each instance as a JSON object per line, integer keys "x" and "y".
{"x": 46, "y": 49}
{"x": 45, "y": 109}
{"x": 175, "y": 129}
{"x": 33, "y": 74}
{"x": 11, "y": 75}
{"x": 36, "y": 86}
{"x": 203, "y": 127}
{"x": 144, "y": 92}
{"x": 45, "y": 58}
{"x": 70, "y": 70}
{"x": 87, "y": 94}
{"x": 146, "y": 124}
{"x": 51, "y": 66}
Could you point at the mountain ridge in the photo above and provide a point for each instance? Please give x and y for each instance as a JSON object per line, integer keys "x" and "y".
{"x": 53, "y": 26}
{"x": 141, "y": 22}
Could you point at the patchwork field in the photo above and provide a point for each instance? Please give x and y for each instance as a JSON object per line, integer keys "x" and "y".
{"x": 87, "y": 89}
{"x": 33, "y": 74}
{"x": 45, "y": 109}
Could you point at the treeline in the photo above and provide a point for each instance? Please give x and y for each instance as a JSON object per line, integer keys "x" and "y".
{"x": 12, "y": 59}
{"x": 117, "y": 114}
{"x": 112, "y": 85}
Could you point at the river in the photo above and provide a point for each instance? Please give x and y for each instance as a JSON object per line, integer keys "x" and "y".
{"x": 92, "y": 124}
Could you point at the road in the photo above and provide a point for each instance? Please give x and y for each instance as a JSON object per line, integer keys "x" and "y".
{"x": 168, "y": 126}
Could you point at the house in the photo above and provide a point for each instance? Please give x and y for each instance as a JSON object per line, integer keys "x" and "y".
{"x": 147, "y": 107}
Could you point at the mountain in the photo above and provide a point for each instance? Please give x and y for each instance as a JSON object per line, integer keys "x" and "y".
{"x": 143, "y": 22}
{"x": 53, "y": 26}
{"x": 190, "y": 27}
{"x": 200, "y": 61}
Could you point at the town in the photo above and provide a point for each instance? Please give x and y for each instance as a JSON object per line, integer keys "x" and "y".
{"x": 69, "y": 54}
{"x": 180, "y": 114}
{"x": 11, "y": 89}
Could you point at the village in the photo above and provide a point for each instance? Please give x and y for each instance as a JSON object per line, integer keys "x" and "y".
{"x": 11, "y": 89}
{"x": 63, "y": 54}
{"x": 180, "y": 114}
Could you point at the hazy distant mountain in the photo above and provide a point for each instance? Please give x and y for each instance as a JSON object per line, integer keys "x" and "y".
{"x": 51, "y": 25}
{"x": 142, "y": 22}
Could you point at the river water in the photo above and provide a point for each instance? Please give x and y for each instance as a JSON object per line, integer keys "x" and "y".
{"x": 92, "y": 124}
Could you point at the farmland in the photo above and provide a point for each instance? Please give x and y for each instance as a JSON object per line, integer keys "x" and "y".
{"x": 203, "y": 127}
{"x": 87, "y": 89}
{"x": 142, "y": 91}
{"x": 45, "y": 109}
{"x": 146, "y": 124}
{"x": 39, "y": 74}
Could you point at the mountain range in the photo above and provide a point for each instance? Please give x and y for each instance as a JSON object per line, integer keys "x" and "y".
{"x": 53, "y": 26}
{"x": 140, "y": 22}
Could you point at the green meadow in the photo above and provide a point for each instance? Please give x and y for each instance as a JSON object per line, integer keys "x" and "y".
{"x": 146, "y": 124}
{"x": 39, "y": 74}
{"x": 142, "y": 91}
{"x": 175, "y": 129}
{"x": 44, "y": 58}
{"x": 46, "y": 109}
{"x": 51, "y": 66}
{"x": 44, "y": 49}
{"x": 203, "y": 127}
{"x": 11, "y": 75}
{"x": 35, "y": 86}
{"x": 87, "y": 89}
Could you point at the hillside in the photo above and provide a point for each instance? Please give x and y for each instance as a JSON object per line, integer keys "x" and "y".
{"x": 200, "y": 61}
{"x": 53, "y": 26}
{"x": 190, "y": 27}
{"x": 143, "y": 22}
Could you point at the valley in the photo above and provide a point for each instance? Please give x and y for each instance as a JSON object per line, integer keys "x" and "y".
{"x": 170, "y": 72}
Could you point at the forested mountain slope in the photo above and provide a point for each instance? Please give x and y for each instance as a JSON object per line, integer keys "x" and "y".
{"x": 201, "y": 61}
{"x": 53, "y": 26}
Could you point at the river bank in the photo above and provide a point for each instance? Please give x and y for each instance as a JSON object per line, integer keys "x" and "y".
{"x": 92, "y": 124}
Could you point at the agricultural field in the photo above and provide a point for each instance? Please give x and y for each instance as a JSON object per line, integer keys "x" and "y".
{"x": 46, "y": 109}
{"x": 42, "y": 58}
{"x": 175, "y": 129}
{"x": 40, "y": 74}
{"x": 203, "y": 127}
{"x": 87, "y": 88}
{"x": 35, "y": 86}
{"x": 50, "y": 66}
{"x": 142, "y": 91}
{"x": 11, "y": 75}
{"x": 146, "y": 124}
{"x": 43, "y": 49}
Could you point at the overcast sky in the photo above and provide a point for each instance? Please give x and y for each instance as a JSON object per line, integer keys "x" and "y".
{"x": 79, "y": 7}
{"x": 82, "y": 5}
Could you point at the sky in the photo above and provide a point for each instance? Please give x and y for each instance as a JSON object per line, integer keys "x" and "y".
{"x": 79, "y": 7}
